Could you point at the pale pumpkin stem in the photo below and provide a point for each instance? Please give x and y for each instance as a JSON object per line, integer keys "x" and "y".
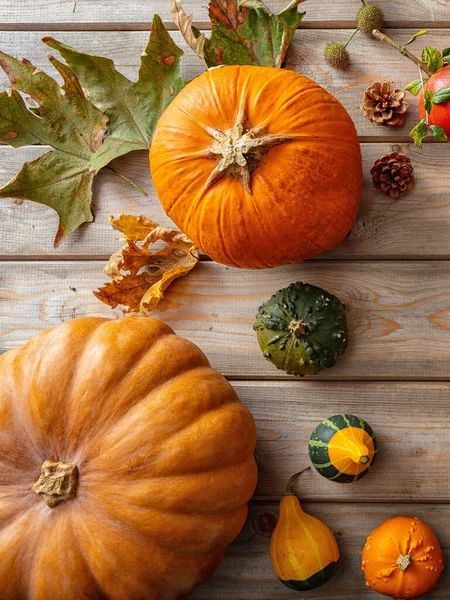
{"x": 239, "y": 150}
{"x": 297, "y": 328}
{"x": 290, "y": 484}
{"x": 364, "y": 460}
{"x": 404, "y": 561}
{"x": 58, "y": 482}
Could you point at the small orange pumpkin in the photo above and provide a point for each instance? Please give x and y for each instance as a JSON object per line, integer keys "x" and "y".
{"x": 402, "y": 558}
{"x": 126, "y": 463}
{"x": 258, "y": 166}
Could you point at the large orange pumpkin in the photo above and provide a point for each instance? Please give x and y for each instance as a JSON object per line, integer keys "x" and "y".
{"x": 126, "y": 464}
{"x": 258, "y": 166}
{"x": 402, "y": 558}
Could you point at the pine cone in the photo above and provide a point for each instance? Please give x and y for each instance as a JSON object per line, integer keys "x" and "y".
{"x": 392, "y": 174}
{"x": 383, "y": 104}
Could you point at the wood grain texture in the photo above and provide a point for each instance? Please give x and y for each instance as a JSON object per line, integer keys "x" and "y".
{"x": 398, "y": 312}
{"x": 416, "y": 225}
{"x": 246, "y": 572}
{"x": 122, "y": 13}
{"x": 371, "y": 61}
{"x": 409, "y": 420}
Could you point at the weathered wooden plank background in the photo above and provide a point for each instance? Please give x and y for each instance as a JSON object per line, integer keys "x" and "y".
{"x": 120, "y": 14}
{"x": 246, "y": 571}
{"x": 393, "y": 272}
{"x": 398, "y": 311}
{"x": 416, "y": 226}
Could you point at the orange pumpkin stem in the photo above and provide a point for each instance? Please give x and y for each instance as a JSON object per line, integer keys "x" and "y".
{"x": 239, "y": 150}
{"x": 58, "y": 482}
{"x": 290, "y": 484}
{"x": 404, "y": 561}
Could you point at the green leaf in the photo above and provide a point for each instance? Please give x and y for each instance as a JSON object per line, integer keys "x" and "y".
{"x": 245, "y": 33}
{"x": 415, "y": 36}
{"x": 415, "y": 86}
{"x": 132, "y": 107}
{"x": 61, "y": 179}
{"x": 86, "y": 129}
{"x": 433, "y": 58}
{"x": 428, "y": 101}
{"x": 438, "y": 133}
{"x": 442, "y": 95}
{"x": 419, "y": 133}
{"x": 446, "y": 52}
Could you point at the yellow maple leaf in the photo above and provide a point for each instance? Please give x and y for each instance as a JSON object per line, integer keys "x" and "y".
{"x": 134, "y": 287}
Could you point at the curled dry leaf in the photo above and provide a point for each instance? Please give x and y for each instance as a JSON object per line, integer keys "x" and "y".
{"x": 244, "y": 32}
{"x": 132, "y": 286}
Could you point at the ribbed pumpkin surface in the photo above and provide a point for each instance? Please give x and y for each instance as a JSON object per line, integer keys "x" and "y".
{"x": 304, "y": 193}
{"x": 164, "y": 452}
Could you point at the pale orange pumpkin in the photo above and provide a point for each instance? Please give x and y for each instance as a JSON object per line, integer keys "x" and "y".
{"x": 258, "y": 166}
{"x": 126, "y": 463}
{"x": 402, "y": 558}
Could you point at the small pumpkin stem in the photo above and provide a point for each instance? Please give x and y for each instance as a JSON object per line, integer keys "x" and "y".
{"x": 358, "y": 452}
{"x": 404, "y": 561}
{"x": 404, "y": 51}
{"x": 290, "y": 484}
{"x": 239, "y": 151}
{"x": 58, "y": 482}
{"x": 297, "y": 328}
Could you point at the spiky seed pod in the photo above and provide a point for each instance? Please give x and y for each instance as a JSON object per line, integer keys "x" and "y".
{"x": 370, "y": 17}
{"x": 337, "y": 56}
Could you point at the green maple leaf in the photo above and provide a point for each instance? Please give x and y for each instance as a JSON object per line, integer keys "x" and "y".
{"x": 96, "y": 116}
{"x": 243, "y": 32}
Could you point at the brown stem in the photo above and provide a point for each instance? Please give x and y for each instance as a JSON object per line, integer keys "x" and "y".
{"x": 290, "y": 484}
{"x": 58, "y": 482}
{"x": 292, "y": 4}
{"x": 404, "y": 51}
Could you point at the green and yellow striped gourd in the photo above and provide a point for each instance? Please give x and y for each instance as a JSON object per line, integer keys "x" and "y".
{"x": 343, "y": 448}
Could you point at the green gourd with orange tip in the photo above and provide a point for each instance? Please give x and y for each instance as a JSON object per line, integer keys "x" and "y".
{"x": 343, "y": 448}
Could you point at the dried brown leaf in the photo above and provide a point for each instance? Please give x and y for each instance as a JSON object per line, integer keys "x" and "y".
{"x": 132, "y": 286}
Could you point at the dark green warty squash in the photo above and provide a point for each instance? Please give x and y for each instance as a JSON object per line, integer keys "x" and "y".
{"x": 302, "y": 329}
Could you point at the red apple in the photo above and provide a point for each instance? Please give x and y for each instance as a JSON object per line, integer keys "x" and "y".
{"x": 440, "y": 113}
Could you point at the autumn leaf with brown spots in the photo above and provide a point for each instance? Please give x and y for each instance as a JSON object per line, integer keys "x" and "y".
{"x": 139, "y": 274}
{"x": 244, "y": 32}
{"x": 96, "y": 116}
